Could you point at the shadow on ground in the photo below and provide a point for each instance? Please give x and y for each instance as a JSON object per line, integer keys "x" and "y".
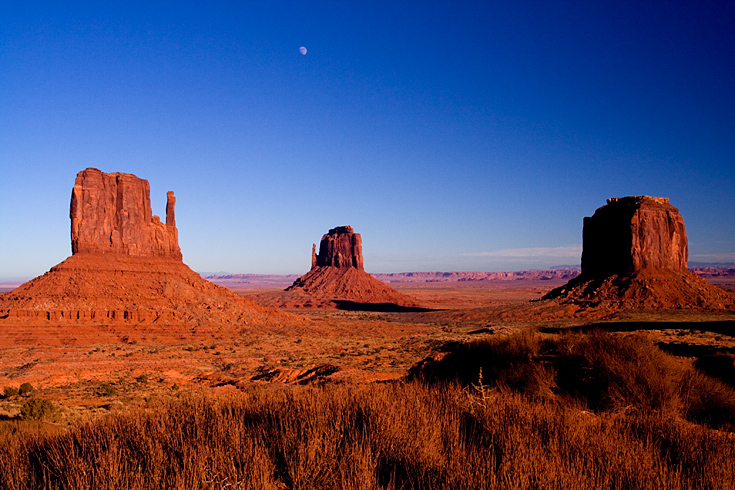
{"x": 380, "y": 307}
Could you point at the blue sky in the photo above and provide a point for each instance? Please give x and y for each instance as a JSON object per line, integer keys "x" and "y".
{"x": 452, "y": 136}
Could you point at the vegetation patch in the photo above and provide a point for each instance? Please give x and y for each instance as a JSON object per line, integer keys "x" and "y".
{"x": 36, "y": 409}
{"x": 601, "y": 371}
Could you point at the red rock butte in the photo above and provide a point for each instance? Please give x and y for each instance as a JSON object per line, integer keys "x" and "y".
{"x": 337, "y": 276}
{"x": 111, "y": 213}
{"x": 630, "y": 234}
{"x": 634, "y": 255}
{"x": 126, "y": 268}
{"x": 341, "y": 247}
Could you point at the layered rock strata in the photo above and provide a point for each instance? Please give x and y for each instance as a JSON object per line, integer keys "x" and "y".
{"x": 634, "y": 255}
{"x": 630, "y": 234}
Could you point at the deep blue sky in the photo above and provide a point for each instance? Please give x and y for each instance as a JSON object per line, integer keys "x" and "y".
{"x": 452, "y": 136}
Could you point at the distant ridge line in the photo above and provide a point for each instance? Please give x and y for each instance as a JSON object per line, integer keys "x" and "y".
{"x": 276, "y": 280}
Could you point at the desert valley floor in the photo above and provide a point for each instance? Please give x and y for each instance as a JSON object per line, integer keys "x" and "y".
{"x": 90, "y": 370}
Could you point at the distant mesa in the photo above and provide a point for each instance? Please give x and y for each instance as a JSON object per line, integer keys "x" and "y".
{"x": 634, "y": 255}
{"x": 126, "y": 267}
{"x": 338, "y": 279}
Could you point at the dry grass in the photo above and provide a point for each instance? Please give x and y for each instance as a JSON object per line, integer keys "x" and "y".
{"x": 377, "y": 436}
{"x": 599, "y": 371}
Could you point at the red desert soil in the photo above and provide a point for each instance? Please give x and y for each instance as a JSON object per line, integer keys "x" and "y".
{"x": 325, "y": 345}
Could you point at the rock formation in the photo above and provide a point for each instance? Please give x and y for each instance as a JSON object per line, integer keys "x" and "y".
{"x": 111, "y": 213}
{"x": 634, "y": 255}
{"x": 341, "y": 247}
{"x": 126, "y": 267}
{"x": 337, "y": 278}
{"x": 630, "y": 234}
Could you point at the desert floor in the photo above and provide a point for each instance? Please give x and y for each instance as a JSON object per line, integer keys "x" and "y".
{"x": 91, "y": 370}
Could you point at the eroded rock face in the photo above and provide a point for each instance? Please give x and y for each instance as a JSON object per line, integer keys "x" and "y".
{"x": 341, "y": 247}
{"x": 631, "y": 234}
{"x": 111, "y": 213}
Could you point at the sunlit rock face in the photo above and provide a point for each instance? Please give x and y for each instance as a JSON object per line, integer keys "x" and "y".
{"x": 631, "y": 234}
{"x": 111, "y": 213}
{"x": 341, "y": 247}
{"x": 126, "y": 268}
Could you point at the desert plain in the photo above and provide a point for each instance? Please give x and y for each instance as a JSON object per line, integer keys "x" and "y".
{"x": 70, "y": 367}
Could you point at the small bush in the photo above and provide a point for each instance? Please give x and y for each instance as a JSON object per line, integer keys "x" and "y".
{"x": 106, "y": 389}
{"x": 709, "y": 401}
{"x": 143, "y": 378}
{"x": 36, "y": 409}
{"x": 25, "y": 388}
{"x": 9, "y": 391}
{"x": 611, "y": 372}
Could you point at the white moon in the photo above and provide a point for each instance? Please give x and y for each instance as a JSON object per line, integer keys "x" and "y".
{"x": 302, "y": 50}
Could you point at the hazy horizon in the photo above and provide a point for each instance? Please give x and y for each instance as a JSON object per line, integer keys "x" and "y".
{"x": 452, "y": 138}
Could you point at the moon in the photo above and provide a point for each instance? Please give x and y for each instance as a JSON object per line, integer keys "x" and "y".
{"x": 302, "y": 50}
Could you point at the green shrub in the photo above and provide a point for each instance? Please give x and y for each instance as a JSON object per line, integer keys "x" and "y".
{"x": 36, "y": 409}
{"x": 9, "y": 391}
{"x": 25, "y": 388}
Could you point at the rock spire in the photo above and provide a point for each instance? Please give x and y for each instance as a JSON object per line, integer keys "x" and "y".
{"x": 127, "y": 268}
{"x": 337, "y": 278}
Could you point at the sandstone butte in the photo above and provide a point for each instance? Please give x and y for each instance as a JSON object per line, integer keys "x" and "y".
{"x": 126, "y": 268}
{"x": 337, "y": 277}
{"x": 634, "y": 256}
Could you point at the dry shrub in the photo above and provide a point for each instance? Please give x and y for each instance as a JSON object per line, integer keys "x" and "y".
{"x": 417, "y": 435}
{"x": 709, "y": 401}
{"x": 599, "y": 370}
{"x": 611, "y": 372}
{"x": 508, "y": 363}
